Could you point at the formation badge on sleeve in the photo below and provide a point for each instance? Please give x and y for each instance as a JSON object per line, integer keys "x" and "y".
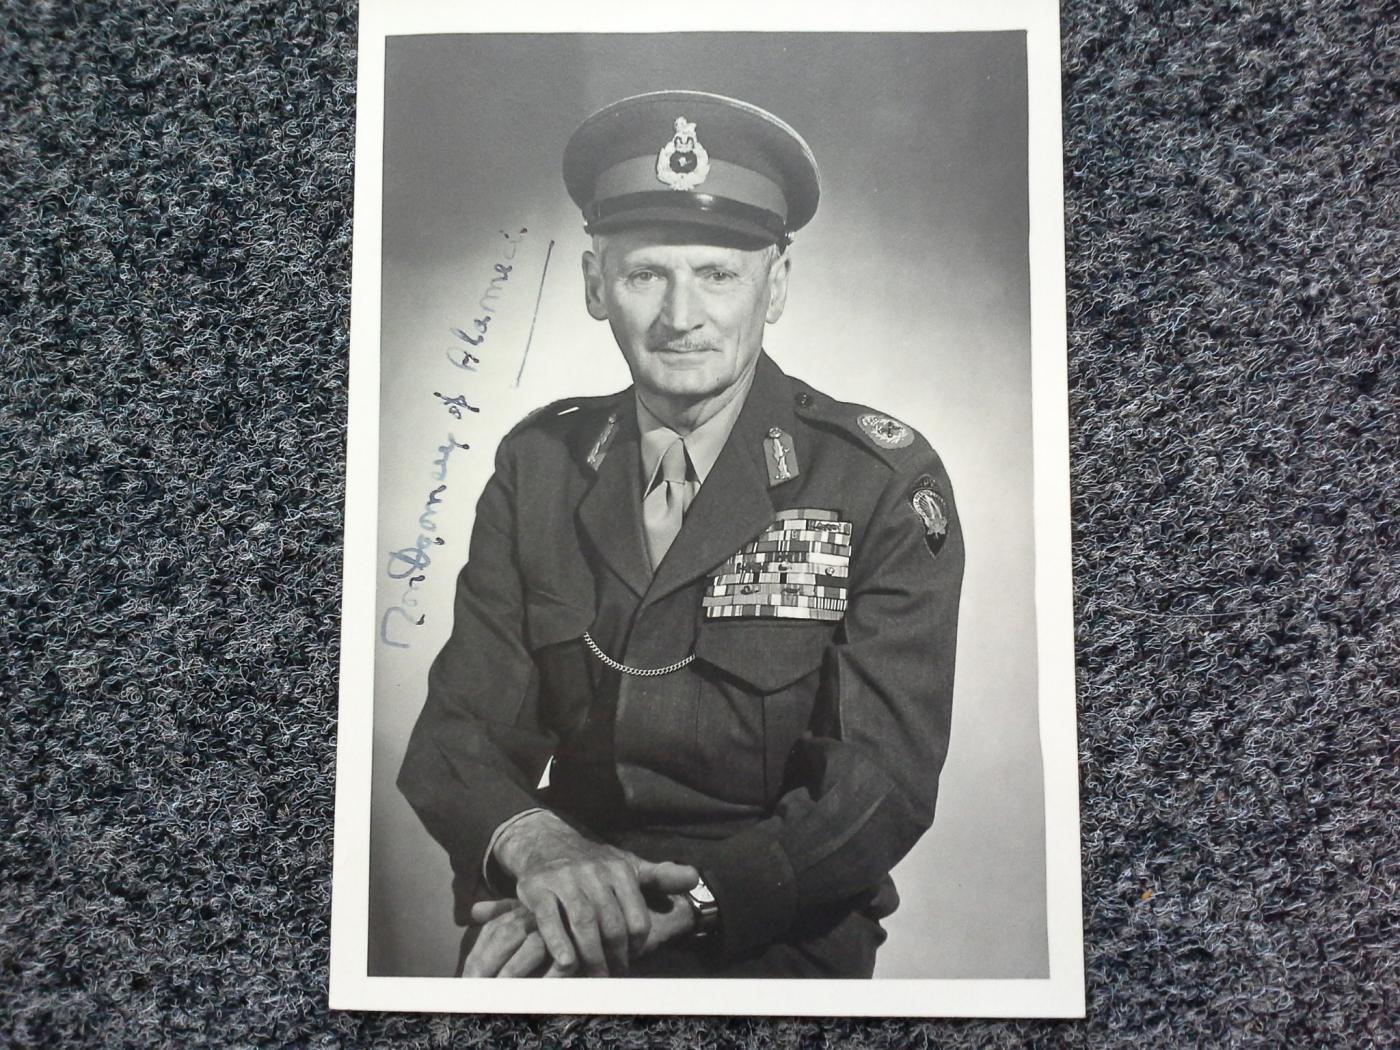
{"x": 932, "y": 509}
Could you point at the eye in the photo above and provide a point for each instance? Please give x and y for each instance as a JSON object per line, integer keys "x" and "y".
{"x": 643, "y": 277}
{"x": 721, "y": 277}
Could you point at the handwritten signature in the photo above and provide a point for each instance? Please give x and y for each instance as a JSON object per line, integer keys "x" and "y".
{"x": 410, "y": 563}
{"x": 489, "y": 297}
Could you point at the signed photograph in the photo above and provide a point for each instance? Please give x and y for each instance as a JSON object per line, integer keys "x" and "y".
{"x": 707, "y": 625}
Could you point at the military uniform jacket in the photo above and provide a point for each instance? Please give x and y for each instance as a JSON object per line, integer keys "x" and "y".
{"x": 795, "y": 759}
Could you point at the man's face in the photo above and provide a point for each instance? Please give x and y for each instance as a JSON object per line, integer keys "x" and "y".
{"x": 688, "y": 316}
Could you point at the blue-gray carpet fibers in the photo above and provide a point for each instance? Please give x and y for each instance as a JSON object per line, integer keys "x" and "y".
{"x": 175, "y": 188}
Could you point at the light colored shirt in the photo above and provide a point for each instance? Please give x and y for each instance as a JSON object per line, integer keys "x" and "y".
{"x": 703, "y": 444}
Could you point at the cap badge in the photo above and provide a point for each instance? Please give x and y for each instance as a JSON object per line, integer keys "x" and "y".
{"x": 885, "y": 432}
{"x": 683, "y": 163}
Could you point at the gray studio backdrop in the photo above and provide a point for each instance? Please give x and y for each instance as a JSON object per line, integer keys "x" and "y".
{"x": 910, "y": 292}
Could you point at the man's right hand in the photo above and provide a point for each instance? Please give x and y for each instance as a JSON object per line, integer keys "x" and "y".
{"x": 586, "y": 897}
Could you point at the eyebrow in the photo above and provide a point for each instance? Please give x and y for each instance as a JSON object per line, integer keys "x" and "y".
{"x": 643, "y": 262}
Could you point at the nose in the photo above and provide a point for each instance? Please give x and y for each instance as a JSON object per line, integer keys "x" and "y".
{"x": 681, "y": 310}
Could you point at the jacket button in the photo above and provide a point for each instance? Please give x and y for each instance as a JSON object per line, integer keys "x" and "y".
{"x": 805, "y": 400}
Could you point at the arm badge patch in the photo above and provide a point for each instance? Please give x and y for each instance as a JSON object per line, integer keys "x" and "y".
{"x": 932, "y": 509}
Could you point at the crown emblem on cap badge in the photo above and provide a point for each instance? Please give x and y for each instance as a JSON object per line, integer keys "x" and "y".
{"x": 683, "y": 163}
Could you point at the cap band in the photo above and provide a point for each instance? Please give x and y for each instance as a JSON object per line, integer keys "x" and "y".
{"x": 739, "y": 184}
{"x": 700, "y": 204}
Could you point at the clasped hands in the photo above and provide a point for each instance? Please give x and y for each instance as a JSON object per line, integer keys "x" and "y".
{"x": 581, "y": 908}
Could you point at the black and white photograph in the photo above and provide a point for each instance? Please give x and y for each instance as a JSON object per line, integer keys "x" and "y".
{"x": 725, "y": 526}
{"x": 707, "y": 600}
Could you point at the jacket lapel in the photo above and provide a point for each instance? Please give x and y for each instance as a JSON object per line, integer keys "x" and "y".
{"x": 733, "y": 505}
{"x": 611, "y": 510}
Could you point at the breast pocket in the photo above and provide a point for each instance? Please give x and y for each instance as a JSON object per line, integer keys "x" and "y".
{"x": 554, "y": 636}
{"x": 548, "y": 622}
{"x": 760, "y": 683}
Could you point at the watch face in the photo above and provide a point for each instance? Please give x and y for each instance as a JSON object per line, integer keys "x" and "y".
{"x": 702, "y": 895}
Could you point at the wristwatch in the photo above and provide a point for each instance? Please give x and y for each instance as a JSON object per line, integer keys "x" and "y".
{"x": 705, "y": 909}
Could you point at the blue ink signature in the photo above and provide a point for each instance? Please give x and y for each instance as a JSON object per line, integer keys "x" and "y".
{"x": 409, "y": 564}
{"x": 481, "y": 325}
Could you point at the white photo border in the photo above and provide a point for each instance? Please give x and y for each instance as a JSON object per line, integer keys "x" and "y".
{"x": 1061, "y": 994}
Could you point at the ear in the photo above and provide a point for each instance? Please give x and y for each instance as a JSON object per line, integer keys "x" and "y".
{"x": 593, "y": 287}
{"x": 778, "y": 271}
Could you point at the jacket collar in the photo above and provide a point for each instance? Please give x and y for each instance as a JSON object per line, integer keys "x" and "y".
{"x": 703, "y": 445}
{"x": 732, "y": 507}
{"x": 611, "y": 510}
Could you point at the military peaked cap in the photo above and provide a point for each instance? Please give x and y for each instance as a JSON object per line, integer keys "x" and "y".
{"x": 695, "y": 158}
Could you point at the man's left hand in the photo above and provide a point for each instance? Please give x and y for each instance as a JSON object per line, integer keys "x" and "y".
{"x": 509, "y": 945}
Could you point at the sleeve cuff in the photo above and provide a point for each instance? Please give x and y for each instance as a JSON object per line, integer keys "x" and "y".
{"x": 754, "y": 886}
{"x": 490, "y": 870}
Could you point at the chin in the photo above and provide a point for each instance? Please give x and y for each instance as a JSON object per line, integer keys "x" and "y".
{"x": 688, "y": 382}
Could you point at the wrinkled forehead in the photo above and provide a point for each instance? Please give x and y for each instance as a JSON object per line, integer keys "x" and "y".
{"x": 682, "y": 242}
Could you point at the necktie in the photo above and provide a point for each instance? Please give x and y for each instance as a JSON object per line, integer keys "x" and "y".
{"x": 665, "y": 505}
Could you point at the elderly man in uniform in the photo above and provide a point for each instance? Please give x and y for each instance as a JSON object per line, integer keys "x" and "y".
{"x": 697, "y": 693}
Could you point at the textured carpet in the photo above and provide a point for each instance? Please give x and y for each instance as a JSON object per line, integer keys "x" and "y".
{"x": 175, "y": 187}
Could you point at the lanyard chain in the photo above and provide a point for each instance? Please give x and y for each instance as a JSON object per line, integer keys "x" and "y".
{"x": 649, "y": 672}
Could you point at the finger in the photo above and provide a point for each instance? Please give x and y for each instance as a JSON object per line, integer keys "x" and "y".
{"x": 544, "y": 906}
{"x": 528, "y": 958}
{"x": 499, "y": 940}
{"x": 612, "y": 924}
{"x": 484, "y": 911}
{"x": 667, "y": 877}
{"x": 635, "y": 914}
{"x": 670, "y": 918}
{"x": 582, "y": 916}
{"x": 477, "y": 962}
{"x": 601, "y": 885}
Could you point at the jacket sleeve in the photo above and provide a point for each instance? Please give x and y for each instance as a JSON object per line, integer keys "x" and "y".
{"x": 477, "y": 752}
{"x": 860, "y": 786}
